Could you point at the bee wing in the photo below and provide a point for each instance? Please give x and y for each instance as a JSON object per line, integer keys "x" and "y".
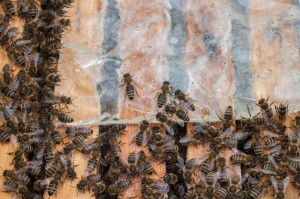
{"x": 145, "y": 140}
{"x": 229, "y": 130}
{"x": 152, "y": 146}
{"x": 199, "y": 127}
{"x": 40, "y": 153}
{"x": 276, "y": 149}
{"x": 187, "y": 139}
{"x": 141, "y": 167}
{"x": 180, "y": 161}
{"x": 202, "y": 177}
{"x": 169, "y": 143}
{"x": 271, "y": 159}
{"x": 248, "y": 144}
{"x": 269, "y": 134}
{"x": 63, "y": 159}
{"x": 169, "y": 129}
{"x": 14, "y": 141}
{"x": 133, "y": 136}
{"x": 201, "y": 160}
{"x": 274, "y": 183}
{"x": 180, "y": 123}
{"x": 286, "y": 182}
{"x": 188, "y": 103}
{"x": 37, "y": 132}
{"x": 244, "y": 178}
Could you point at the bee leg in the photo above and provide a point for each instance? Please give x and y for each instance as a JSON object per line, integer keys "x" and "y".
{"x": 156, "y": 95}
{"x": 137, "y": 93}
{"x": 248, "y": 109}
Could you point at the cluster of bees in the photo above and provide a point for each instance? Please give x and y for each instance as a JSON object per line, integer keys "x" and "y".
{"x": 266, "y": 149}
{"x": 30, "y": 108}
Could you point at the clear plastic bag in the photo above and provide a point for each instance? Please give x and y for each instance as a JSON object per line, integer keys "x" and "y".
{"x": 220, "y": 53}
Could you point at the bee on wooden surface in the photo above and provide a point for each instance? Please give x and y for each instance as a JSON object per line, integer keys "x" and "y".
{"x": 53, "y": 79}
{"x": 71, "y": 173}
{"x": 130, "y": 90}
{"x": 52, "y": 187}
{"x": 133, "y": 159}
{"x": 61, "y": 116}
{"x": 158, "y": 138}
{"x": 118, "y": 187}
{"x": 293, "y": 146}
{"x": 179, "y": 111}
{"x": 194, "y": 138}
{"x": 227, "y": 119}
{"x": 82, "y": 185}
{"x": 40, "y": 185}
{"x": 4, "y": 137}
{"x": 170, "y": 178}
{"x": 296, "y": 180}
{"x": 7, "y": 74}
{"x": 141, "y": 134}
{"x": 265, "y": 107}
{"x": 18, "y": 58}
{"x": 9, "y": 8}
{"x": 280, "y": 187}
{"x": 186, "y": 101}
{"x": 11, "y": 33}
{"x": 168, "y": 124}
{"x": 297, "y": 125}
{"x": 241, "y": 158}
{"x": 7, "y": 92}
{"x": 99, "y": 187}
{"x": 93, "y": 178}
{"x": 206, "y": 128}
{"x": 208, "y": 186}
{"x": 117, "y": 128}
{"x": 257, "y": 146}
{"x": 188, "y": 170}
{"x": 144, "y": 165}
{"x": 259, "y": 189}
{"x": 162, "y": 97}
{"x": 282, "y": 111}
{"x": 4, "y": 23}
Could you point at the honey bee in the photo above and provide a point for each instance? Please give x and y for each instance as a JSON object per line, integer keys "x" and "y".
{"x": 144, "y": 164}
{"x": 4, "y": 137}
{"x": 61, "y": 116}
{"x": 297, "y": 125}
{"x": 227, "y": 120}
{"x": 168, "y": 124}
{"x": 195, "y": 138}
{"x": 18, "y": 58}
{"x": 4, "y": 23}
{"x": 140, "y": 135}
{"x": 8, "y": 7}
{"x": 99, "y": 187}
{"x": 259, "y": 189}
{"x": 53, "y": 79}
{"x": 255, "y": 145}
{"x": 280, "y": 187}
{"x": 188, "y": 170}
{"x": 206, "y": 128}
{"x": 179, "y": 111}
{"x": 118, "y": 187}
{"x": 40, "y": 185}
{"x": 52, "y": 187}
{"x": 185, "y": 100}
{"x": 162, "y": 97}
{"x": 241, "y": 158}
{"x": 82, "y": 185}
{"x": 133, "y": 159}
{"x": 282, "y": 111}
{"x": 130, "y": 90}
{"x": 170, "y": 178}
{"x": 265, "y": 107}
